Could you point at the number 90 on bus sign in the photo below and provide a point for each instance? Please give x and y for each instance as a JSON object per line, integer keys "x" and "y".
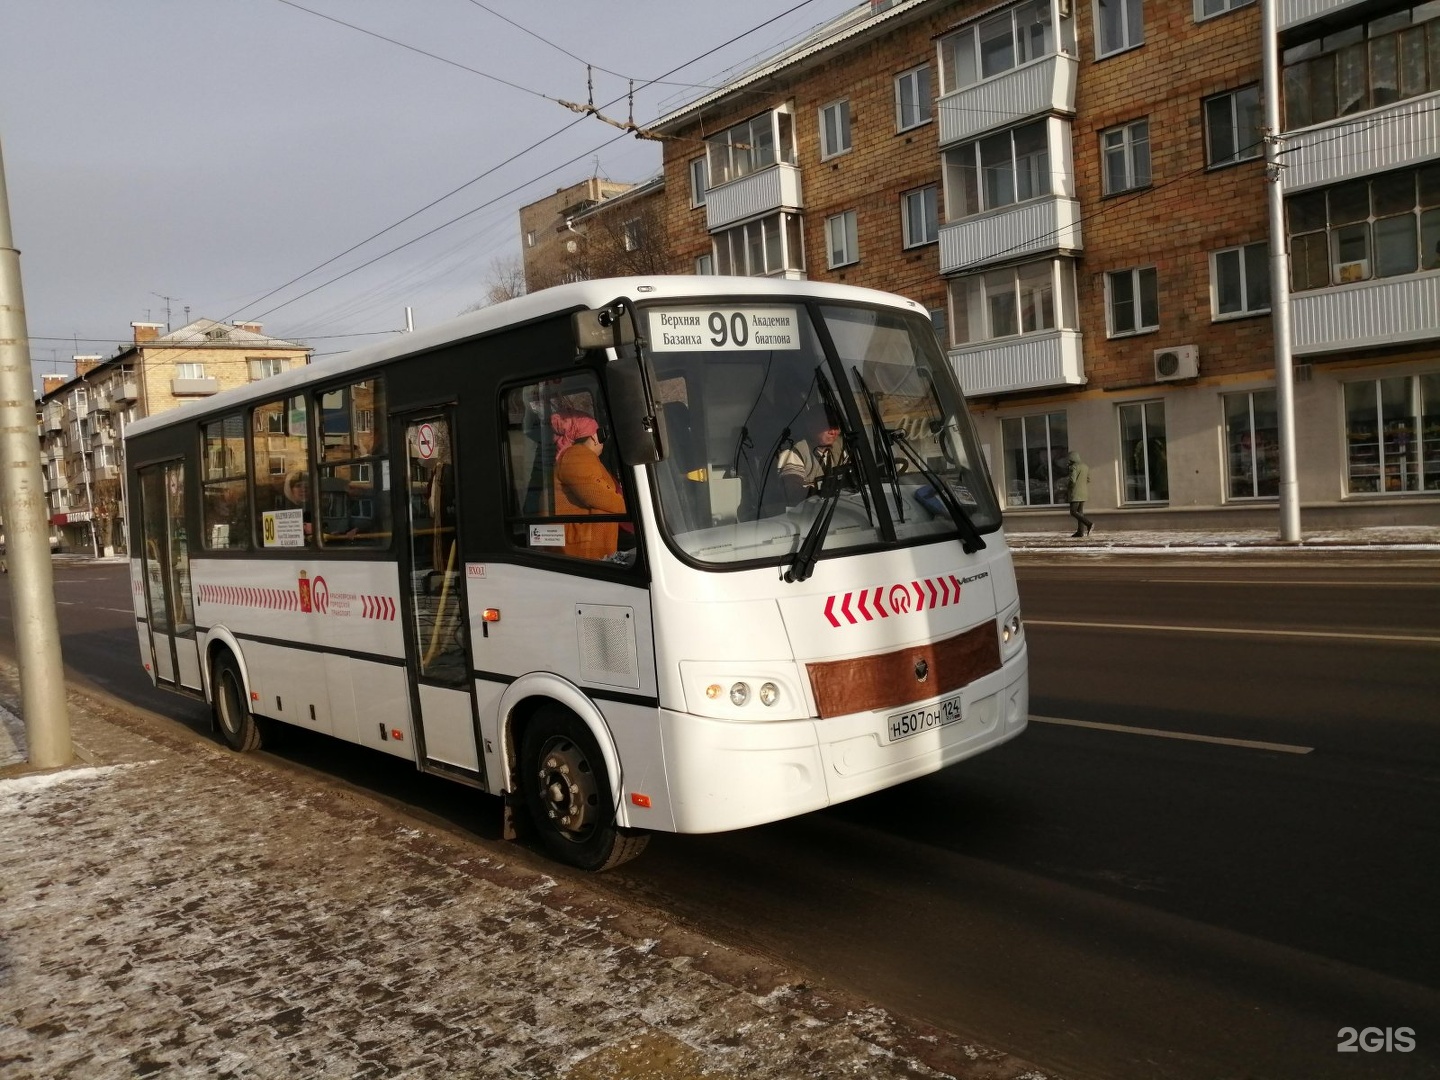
{"x": 747, "y": 329}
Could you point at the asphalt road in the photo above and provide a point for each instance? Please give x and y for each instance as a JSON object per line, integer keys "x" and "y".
{"x": 1218, "y": 888}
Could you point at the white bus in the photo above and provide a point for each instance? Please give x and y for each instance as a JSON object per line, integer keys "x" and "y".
{"x": 584, "y": 550}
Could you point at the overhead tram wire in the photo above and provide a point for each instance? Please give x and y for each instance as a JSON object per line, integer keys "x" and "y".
{"x": 487, "y": 172}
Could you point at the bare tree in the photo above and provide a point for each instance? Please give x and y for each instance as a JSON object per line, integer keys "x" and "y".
{"x": 505, "y": 280}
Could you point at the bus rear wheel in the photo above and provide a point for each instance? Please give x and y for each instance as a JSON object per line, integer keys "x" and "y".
{"x": 232, "y": 712}
{"x": 567, "y": 794}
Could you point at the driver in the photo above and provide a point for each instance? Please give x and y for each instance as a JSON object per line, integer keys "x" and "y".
{"x": 818, "y": 450}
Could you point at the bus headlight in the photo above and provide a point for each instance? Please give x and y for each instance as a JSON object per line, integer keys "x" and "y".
{"x": 1010, "y": 629}
{"x": 742, "y": 691}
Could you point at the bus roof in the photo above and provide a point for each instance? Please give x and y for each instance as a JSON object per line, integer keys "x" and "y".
{"x": 523, "y": 309}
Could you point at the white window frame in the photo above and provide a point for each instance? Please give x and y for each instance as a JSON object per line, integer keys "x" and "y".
{"x": 1127, "y": 146}
{"x": 189, "y": 369}
{"x": 530, "y": 238}
{"x": 1127, "y": 462}
{"x": 841, "y": 110}
{"x": 1255, "y": 150}
{"x": 262, "y": 367}
{"x": 847, "y": 251}
{"x": 1137, "y": 294}
{"x": 1246, "y": 285}
{"x": 1221, "y": 7}
{"x": 916, "y": 84}
{"x": 705, "y": 264}
{"x": 1126, "y": 44}
{"x": 967, "y": 41}
{"x": 699, "y": 181}
{"x": 930, "y": 193}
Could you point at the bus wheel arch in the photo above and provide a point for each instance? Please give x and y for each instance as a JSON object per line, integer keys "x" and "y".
{"x": 567, "y": 785}
{"x": 230, "y": 701}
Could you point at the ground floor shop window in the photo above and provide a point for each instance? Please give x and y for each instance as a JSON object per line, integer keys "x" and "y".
{"x": 1033, "y": 447}
{"x": 1393, "y": 434}
{"x": 1142, "y": 452}
{"x": 1252, "y": 442}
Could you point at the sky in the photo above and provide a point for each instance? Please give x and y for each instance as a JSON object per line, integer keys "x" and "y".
{"x": 169, "y": 160}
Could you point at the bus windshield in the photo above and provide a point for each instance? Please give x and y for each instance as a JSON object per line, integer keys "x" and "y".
{"x": 777, "y": 414}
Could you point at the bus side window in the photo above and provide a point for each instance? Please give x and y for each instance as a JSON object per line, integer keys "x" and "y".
{"x": 284, "y": 502}
{"x": 560, "y": 468}
{"x": 354, "y": 506}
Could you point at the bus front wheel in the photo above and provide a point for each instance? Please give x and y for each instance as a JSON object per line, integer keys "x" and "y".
{"x": 232, "y": 712}
{"x": 567, "y": 794}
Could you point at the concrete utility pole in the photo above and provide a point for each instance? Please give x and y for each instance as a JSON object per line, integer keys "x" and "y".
{"x": 27, "y": 541}
{"x": 1279, "y": 276}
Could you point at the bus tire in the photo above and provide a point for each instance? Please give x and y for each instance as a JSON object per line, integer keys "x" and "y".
{"x": 232, "y": 711}
{"x": 567, "y": 793}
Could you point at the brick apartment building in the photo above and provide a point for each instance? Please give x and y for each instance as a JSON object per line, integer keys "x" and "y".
{"x": 83, "y": 417}
{"x": 1077, "y": 192}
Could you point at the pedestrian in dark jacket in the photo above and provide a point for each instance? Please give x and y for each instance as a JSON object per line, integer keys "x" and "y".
{"x": 1079, "y": 490}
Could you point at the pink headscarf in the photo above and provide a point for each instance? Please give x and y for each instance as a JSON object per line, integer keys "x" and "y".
{"x": 570, "y": 427}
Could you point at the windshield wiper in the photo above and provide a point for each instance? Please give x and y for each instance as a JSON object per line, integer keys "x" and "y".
{"x": 803, "y": 564}
{"x": 970, "y": 539}
{"x": 883, "y": 450}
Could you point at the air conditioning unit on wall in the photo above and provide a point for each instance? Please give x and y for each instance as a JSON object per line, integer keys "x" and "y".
{"x": 1180, "y": 362}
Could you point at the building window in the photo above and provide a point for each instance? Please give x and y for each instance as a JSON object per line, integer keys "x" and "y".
{"x": 756, "y": 144}
{"x": 842, "y": 246}
{"x": 1232, "y": 127}
{"x": 1015, "y": 300}
{"x": 998, "y": 170}
{"x": 262, "y": 367}
{"x": 530, "y": 238}
{"x": 760, "y": 248}
{"x": 190, "y": 370}
{"x": 912, "y": 98}
{"x": 920, "y": 216}
{"x": 1127, "y": 156}
{"x": 1393, "y": 435}
{"x": 996, "y": 45}
{"x": 1133, "y": 300}
{"x": 1252, "y": 443}
{"x": 1207, "y": 9}
{"x": 632, "y": 234}
{"x": 1034, "y": 447}
{"x": 834, "y": 129}
{"x": 1388, "y": 59}
{"x": 1378, "y": 227}
{"x": 705, "y": 264}
{"x": 939, "y": 319}
{"x": 1142, "y": 452}
{"x": 1240, "y": 280}
{"x": 697, "y": 182}
{"x": 1119, "y": 25}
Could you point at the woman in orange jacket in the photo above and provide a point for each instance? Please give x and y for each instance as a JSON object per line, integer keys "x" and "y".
{"x": 584, "y": 486}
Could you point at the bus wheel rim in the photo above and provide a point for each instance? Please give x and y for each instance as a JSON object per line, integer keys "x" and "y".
{"x": 567, "y": 788}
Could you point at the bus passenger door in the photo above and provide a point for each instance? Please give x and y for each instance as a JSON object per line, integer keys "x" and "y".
{"x": 169, "y": 604}
{"x": 433, "y": 592}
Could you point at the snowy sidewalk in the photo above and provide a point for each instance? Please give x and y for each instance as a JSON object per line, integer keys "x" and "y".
{"x": 168, "y": 907}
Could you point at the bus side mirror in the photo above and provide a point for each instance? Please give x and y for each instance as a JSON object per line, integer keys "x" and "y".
{"x": 603, "y": 328}
{"x": 637, "y": 429}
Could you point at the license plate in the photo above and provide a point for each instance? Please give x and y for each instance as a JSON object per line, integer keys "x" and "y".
{"x": 902, "y": 725}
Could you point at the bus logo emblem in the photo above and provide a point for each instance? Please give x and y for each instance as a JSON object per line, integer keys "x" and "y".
{"x": 922, "y": 670}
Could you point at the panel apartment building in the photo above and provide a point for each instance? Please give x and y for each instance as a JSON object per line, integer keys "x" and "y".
{"x": 1077, "y": 191}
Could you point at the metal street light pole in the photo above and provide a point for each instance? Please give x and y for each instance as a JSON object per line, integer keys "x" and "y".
{"x": 1279, "y": 276}
{"x": 27, "y": 541}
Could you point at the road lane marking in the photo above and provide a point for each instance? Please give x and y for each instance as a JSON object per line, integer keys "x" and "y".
{"x": 1248, "y": 744}
{"x": 1239, "y": 631}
